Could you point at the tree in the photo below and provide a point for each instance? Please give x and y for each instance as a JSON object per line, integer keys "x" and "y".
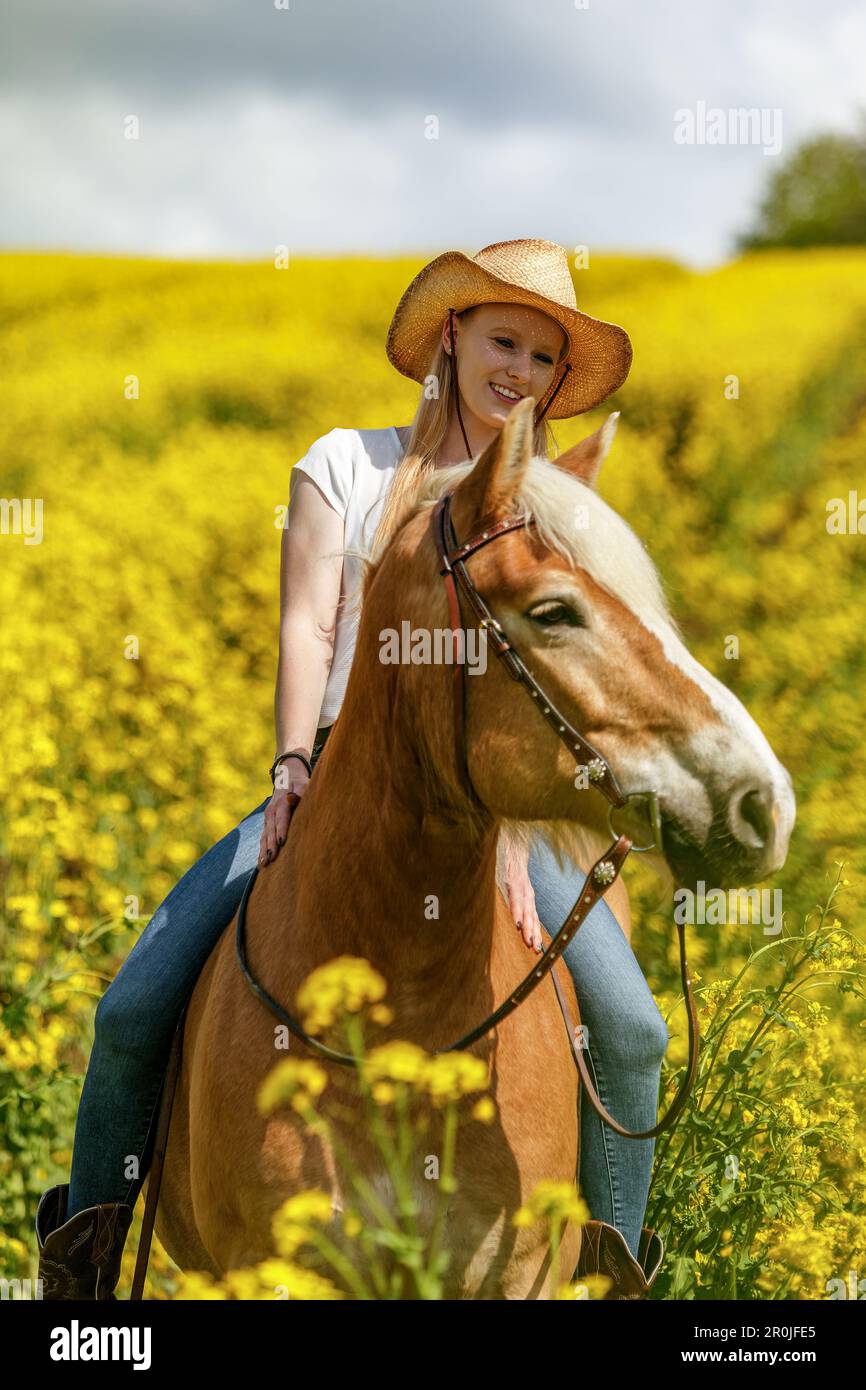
{"x": 817, "y": 198}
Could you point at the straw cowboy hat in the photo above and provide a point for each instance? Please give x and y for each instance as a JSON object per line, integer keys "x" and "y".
{"x": 531, "y": 272}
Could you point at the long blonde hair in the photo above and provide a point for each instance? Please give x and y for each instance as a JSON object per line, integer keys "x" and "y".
{"x": 429, "y": 428}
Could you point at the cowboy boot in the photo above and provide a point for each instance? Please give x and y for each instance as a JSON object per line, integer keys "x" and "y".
{"x": 603, "y": 1250}
{"x": 81, "y": 1258}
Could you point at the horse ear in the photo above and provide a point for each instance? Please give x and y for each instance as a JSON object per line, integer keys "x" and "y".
{"x": 490, "y": 489}
{"x": 584, "y": 460}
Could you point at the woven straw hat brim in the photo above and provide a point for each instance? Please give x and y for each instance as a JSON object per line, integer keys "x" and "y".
{"x": 600, "y": 353}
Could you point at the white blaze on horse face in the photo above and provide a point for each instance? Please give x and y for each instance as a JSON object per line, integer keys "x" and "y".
{"x": 736, "y": 744}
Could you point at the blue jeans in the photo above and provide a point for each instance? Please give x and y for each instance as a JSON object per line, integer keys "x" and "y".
{"x": 137, "y": 1016}
{"x": 625, "y": 1040}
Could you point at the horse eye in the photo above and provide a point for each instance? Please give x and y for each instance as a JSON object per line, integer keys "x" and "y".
{"x": 553, "y": 613}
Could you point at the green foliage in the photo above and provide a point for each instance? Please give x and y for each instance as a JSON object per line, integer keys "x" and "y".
{"x": 817, "y": 197}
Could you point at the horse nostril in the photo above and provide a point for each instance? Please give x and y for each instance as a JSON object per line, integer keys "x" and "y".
{"x": 753, "y": 810}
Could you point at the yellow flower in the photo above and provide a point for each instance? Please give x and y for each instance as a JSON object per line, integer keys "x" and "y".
{"x": 382, "y": 1014}
{"x": 451, "y": 1075}
{"x": 243, "y": 1284}
{"x": 342, "y": 985}
{"x": 291, "y": 1223}
{"x": 396, "y": 1061}
{"x": 552, "y": 1201}
{"x": 484, "y": 1110}
{"x": 306, "y": 1286}
{"x": 314, "y": 1205}
{"x": 589, "y": 1286}
{"x": 195, "y": 1287}
{"x": 296, "y": 1081}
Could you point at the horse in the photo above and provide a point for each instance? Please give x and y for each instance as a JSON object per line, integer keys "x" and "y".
{"x": 387, "y": 820}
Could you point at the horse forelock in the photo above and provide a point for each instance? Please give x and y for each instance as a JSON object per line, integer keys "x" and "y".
{"x": 572, "y": 520}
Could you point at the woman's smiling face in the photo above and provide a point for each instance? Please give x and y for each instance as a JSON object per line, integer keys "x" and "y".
{"x": 505, "y": 352}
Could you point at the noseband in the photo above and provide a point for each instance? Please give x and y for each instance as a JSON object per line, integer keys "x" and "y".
{"x": 599, "y": 774}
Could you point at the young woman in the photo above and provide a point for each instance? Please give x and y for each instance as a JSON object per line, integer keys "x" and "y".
{"x": 479, "y": 333}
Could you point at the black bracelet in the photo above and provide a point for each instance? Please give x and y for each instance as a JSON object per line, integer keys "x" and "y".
{"x": 284, "y": 758}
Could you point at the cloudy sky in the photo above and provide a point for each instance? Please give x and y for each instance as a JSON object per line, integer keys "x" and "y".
{"x": 310, "y": 125}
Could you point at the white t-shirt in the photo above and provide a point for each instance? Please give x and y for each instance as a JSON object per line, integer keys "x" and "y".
{"x": 353, "y": 469}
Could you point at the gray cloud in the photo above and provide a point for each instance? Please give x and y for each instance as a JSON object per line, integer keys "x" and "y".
{"x": 260, "y": 126}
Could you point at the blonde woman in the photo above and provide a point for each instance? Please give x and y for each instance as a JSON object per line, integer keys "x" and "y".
{"x": 479, "y": 334}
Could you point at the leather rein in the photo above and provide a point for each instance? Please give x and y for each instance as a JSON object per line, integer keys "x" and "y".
{"x": 604, "y": 872}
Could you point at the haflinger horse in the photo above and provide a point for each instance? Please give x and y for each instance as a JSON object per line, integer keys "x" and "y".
{"x": 387, "y": 820}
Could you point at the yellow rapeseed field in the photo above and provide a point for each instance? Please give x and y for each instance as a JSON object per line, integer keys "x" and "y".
{"x": 157, "y": 408}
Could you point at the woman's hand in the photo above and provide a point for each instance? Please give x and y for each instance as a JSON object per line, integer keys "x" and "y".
{"x": 521, "y": 895}
{"x": 279, "y": 810}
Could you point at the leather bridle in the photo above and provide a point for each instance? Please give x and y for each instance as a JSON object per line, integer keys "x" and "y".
{"x": 599, "y": 774}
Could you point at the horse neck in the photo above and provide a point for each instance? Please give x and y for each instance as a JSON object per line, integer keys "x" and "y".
{"x": 385, "y": 872}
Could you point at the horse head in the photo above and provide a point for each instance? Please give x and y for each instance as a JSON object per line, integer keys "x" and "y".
{"x": 579, "y": 599}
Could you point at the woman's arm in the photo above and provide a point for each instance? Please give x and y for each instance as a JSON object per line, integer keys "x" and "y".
{"x": 521, "y": 895}
{"x": 310, "y": 570}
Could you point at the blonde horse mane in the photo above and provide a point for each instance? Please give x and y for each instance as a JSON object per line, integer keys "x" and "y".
{"x": 574, "y": 521}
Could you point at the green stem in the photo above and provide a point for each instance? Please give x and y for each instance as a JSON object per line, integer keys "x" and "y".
{"x": 360, "y": 1185}
{"x": 447, "y": 1184}
{"x": 401, "y": 1181}
{"x": 340, "y": 1263}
